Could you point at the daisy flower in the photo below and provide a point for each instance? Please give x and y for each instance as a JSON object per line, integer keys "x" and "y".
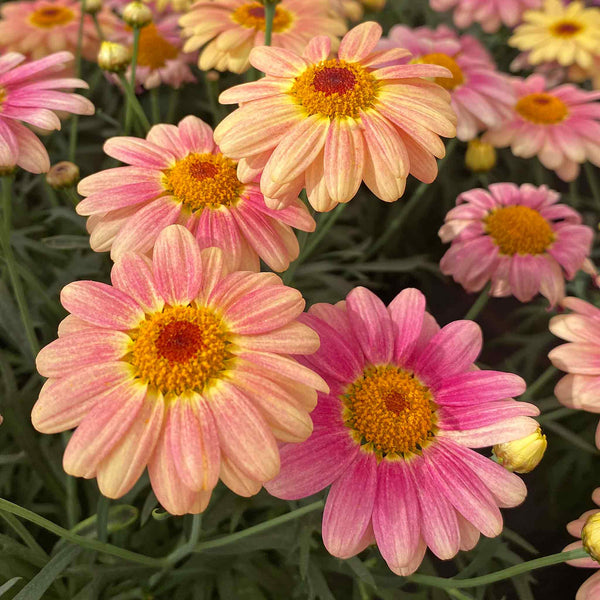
{"x": 40, "y": 27}
{"x": 181, "y": 366}
{"x": 327, "y": 124}
{"x": 393, "y": 437}
{"x": 480, "y": 96}
{"x": 30, "y": 93}
{"x": 490, "y": 14}
{"x": 178, "y": 175}
{"x": 580, "y": 389}
{"x": 229, "y": 29}
{"x": 559, "y": 125}
{"x": 518, "y": 238}
{"x": 566, "y": 33}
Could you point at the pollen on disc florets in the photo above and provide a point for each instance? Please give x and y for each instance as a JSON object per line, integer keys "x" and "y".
{"x": 47, "y": 17}
{"x": 154, "y": 49}
{"x": 252, "y": 16}
{"x": 542, "y": 108}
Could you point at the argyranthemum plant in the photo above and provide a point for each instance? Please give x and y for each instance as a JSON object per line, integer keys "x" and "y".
{"x": 180, "y": 365}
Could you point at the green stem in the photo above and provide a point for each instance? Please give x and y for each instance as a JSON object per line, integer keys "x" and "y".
{"x": 537, "y": 563}
{"x": 269, "y": 16}
{"x": 212, "y": 88}
{"x": 155, "y": 106}
{"x": 102, "y": 518}
{"x": 75, "y": 118}
{"x": 134, "y": 103}
{"x": 98, "y": 28}
{"x": 134, "y": 57}
{"x": 479, "y": 304}
{"x": 11, "y": 265}
{"x": 593, "y": 182}
{"x": 539, "y": 383}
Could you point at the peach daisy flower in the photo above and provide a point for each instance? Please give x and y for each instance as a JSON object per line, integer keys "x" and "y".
{"x": 580, "y": 358}
{"x": 178, "y": 175}
{"x": 490, "y": 14}
{"x": 30, "y": 93}
{"x": 182, "y": 366}
{"x": 480, "y": 95}
{"x": 393, "y": 437}
{"x": 40, "y": 27}
{"x": 229, "y": 29}
{"x": 327, "y": 124}
{"x": 518, "y": 238}
{"x": 559, "y": 125}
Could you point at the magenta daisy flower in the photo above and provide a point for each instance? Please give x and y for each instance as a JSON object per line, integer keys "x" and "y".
{"x": 481, "y": 96}
{"x": 393, "y": 437}
{"x": 560, "y": 125}
{"x": 178, "y": 175}
{"x": 327, "y": 124}
{"x": 181, "y": 366}
{"x": 30, "y": 93}
{"x": 518, "y": 238}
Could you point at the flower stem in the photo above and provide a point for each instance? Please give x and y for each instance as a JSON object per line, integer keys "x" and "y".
{"x": 537, "y": 563}
{"x": 540, "y": 382}
{"x": 129, "y": 108}
{"x": 479, "y": 304}
{"x": 593, "y": 182}
{"x": 102, "y": 518}
{"x": 269, "y": 16}
{"x": 134, "y": 103}
{"x": 75, "y": 118}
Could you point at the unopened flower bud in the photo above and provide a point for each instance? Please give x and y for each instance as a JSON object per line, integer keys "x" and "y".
{"x": 62, "y": 175}
{"x": 524, "y": 455}
{"x": 480, "y": 156}
{"x": 114, "y": 57}
{"x": 373, "y": 4}
{"x": 213, "y": 76}
{"x": 590, "y": 536}
{"x": 137, "y": 14}
{"x": 93, "y": 6}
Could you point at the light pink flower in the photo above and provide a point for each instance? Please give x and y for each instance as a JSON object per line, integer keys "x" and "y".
{"x": 329, "y": 123}
{"x": 560, "y": 125}
{"x": 481, "y": 96}
{"x": 490, "y": 14}
{"x": 178, "y": 175}
{"x": 30, "y": 93}
{"x": 182, "y": 366}
{"x": 518, "y": 238}
{"x": 393, "y": 437}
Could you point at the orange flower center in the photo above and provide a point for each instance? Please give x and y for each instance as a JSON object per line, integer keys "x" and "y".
{"x": 390, "y": 412}
{"x": 51, "y": 16}
{"x": 252, "y": 16}
{"x": 202, "y": 181}
{"x": 335, "y": 88}
{"x": 566, "y": 28}
{"x": 519, "y": 230}
{"x": 182, "y": 348}
{"x": 542, "y": 108}
{"x": 154, "y": 50}
{"x": 443, "y": 60}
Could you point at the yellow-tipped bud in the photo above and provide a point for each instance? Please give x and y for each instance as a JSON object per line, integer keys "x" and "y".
{"x": 93, "y": 6}
{"x": 137, "y": 14}
{"x": 373, "y": 4}
{"x": 114, "y": 57}
{"x": 590, "y": 536}
{"x": 524, "y": 455}
{"x": 62, "y": 175}
{"x": 480, "y": 156}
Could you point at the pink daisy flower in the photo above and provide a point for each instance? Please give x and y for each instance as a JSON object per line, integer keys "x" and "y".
{"x": 560, "y": 125}
{"x": 490, "y": 14}
{"x": 393, "y": 437}
{"x": 518, "y": 238}
{"x": 229, "y": 29}
{"x": 580, "y": 358}
{"x": 30, "y": 93}
{"x": 327, "y": 124}
{"x": 182, "y": 366}
{"x": 480, "y": 96}
{"x": 178, "y": 175}
{"x": 590, "y": 590}
{"x": 37, "y": 28}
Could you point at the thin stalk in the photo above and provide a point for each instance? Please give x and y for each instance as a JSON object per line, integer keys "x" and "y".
{"x": 593, "y": 182}
{"x": 539, "y": 383}
{"x": 75, "y": 118}
{"x": 269, "y": 16}
{"x": 172, "y": 108}
{"x": 155, "y": 106}
{"x": 129, "y": 108}
{"x": 102, "y": 518}
{"x": 479, "y": 304}
{"x": 134, "y": 103}
{"x": 212, "y": 88}
{"x": 98, "y": 28}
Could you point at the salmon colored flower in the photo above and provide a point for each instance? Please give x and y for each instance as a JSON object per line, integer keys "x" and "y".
{"x": 181, "y": 366}
{"x": 559, "y": 125}
{"x": 326, "y": 124}
{"x": 393, "y": 437}
{"x": 30, "y": 93}
{"x": 490, "y": 14}
{"x": 37, "y": 28}
{"x": 229, "y": 29}
{"x": 481, "y": 96}
{"x": 518, "y": 238}
{"x": 178, "y": 175}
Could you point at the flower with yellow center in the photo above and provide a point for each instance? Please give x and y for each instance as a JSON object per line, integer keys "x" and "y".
{"x": 542, "y": 108}
{"x": 566, "y": 33}
{"x": 155, "y": 50}
{"x": 51, "y": 16}
{"x": 251, "y": 15}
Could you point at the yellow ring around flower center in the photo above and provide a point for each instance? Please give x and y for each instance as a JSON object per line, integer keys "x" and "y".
{"x": 444, "y": 60}
{"x": 154, "y": 50}
{"x": 390, "y": 412}
{"x": 542, "y": 108}
{"x": 566, "y": 28}
{"x": 180, "y": 349}
{"x": 204, "y": 181}
{"x": 519, "y": 230}
{"x": 51, "y": 16}
{"x": 252, "y": 16}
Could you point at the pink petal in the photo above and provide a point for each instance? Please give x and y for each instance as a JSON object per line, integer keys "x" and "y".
{"x": 196, "y": 135}
{"x": 132, "y": 275}
{"x": 137, "y": 152}
{"x": 406, "y": 311}
{"x": 277, "y": 62}
{"x": 580, "y": 358}
{"x": 237, "y": 481}
{"x": 360, "y": 41}
{"x": 474, "y": 387}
